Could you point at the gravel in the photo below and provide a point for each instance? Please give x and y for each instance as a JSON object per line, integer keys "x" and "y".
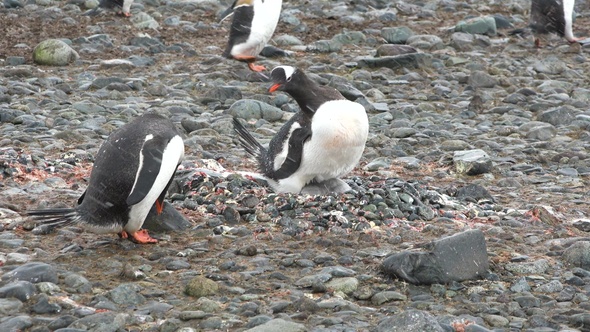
{"x": 471, "y": 136}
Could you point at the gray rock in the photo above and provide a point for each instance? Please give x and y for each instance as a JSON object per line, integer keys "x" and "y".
{"x": 255, "y": 109}
{"x": 278, "y": 324}
{"x": 309, "y": 280}
{"x": 394, "y": 49}
{"x": 411, "y": 60}
{"x": 474, "y": 193}
{"x": 77, "y": 283}
{"x": 326, "y": 187}
{"x": 550, "y": 65}
{"x": 10, "y": 306}
{"x": 397, "y": 35}
{"x": 101, "y": 322}
{"x": 17, "y": 323}
{"x": 33, "y": 272}
{"x": 325, "y": 46}
{"x": 426, "y": 42}
{"x": 21, "y": 290}
{"x": 346, "y": 285}
{"x": 481, "y": 79}
{"x": 554, "y": 286}
{"x": 462, "y": 256}
{"x": 222, "y": 93}
{"x": 479, "y": 25}
{"x": 169, "y": 220}
{"x": 462, "y": 41}
{"x": 536, "y": 267}
{"x": 410, "y": 321}
{"x": 472, "y": 162}
{"x": 387, "y": 296}
{"x": 578, "y": 254}
{"x": 558, "y": 116}
{"x": 54, "y": 52}
{"x": 521, "y": 285}
{"x": 200, "y": 287}
{"x": 127, "y": 294}
{"x": 143, "y": 20}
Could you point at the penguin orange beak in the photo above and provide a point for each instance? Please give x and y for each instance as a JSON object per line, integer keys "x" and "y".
{"x": 274, "y": 87}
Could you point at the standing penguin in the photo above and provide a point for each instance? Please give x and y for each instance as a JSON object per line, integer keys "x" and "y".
{"x": 253, "y": 25}
{"x": 132, "y": 171}
{"x": 125, "y": 6}
{"x": 320, "y": 143}
{"x": 552, "y": 16}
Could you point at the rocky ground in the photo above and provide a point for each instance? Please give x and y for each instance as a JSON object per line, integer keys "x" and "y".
{"x": 254, "y": 260}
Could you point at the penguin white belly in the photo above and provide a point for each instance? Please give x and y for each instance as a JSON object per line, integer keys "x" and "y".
{"x": 264, "y": 22}
{"x": 173, "y": 153}
{"x": 568, "y": 13}
{"x": 339, "y": 133}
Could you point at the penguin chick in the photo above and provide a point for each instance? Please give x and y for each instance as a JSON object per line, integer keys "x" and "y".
{"x": 323, "y": 141}
{"x": 132, "y": 171}
{"x": 253, "y": 24}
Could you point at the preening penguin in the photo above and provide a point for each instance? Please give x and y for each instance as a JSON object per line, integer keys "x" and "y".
{"x": 552, "y": 16}
{"x": 125, "y": 6}
{"x": 132, "y": 171}
{"x": 253, "y": 24}
{"x": 322, "y": 142}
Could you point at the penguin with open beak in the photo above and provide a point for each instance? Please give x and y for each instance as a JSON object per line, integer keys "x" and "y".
{"x": 125, "y": 6}
{"x": 552, "y": 16}
{"x": 322, "y": 142}
{"x": 132, "y": 171}
{"x": 253, "y": 24}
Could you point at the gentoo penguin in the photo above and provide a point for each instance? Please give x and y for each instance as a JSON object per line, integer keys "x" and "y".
{"x": 552, "y": 16}
{"x": 320, "y": 143}
{"x": 125, "y": 6}
{"x": 252, "y": 26}
{"x": 131, "y": 173}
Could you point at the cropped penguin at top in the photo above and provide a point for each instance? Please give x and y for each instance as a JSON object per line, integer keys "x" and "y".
{"x": 125, "y": 6}
{"x": 322, "y": 142}
{"x": 552, "y": 16}
{"x": 132, "y": 171}
{"x": 253, "y": 24}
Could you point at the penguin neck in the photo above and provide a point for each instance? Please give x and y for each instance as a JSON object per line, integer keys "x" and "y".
{"x": 308, "y": 96}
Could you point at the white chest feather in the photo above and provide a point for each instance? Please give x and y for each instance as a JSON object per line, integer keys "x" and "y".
{"x": 173, "y": 153}
{"x": 339, "y": 132}
{"x": 264, "y": 22}
{"x": 568, "y": 12}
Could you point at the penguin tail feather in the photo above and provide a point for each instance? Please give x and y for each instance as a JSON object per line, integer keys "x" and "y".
{"x": 55, "y": 217}
{"x": 248, "y": 142}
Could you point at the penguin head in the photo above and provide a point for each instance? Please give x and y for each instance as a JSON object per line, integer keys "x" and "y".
{"x": 281, "y": 77}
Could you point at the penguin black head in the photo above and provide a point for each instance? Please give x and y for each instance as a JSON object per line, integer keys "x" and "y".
{"x": 282, "y": 77}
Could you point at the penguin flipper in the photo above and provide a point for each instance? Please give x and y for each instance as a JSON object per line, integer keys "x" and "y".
{"x": 294, "y": 154}
{"x": 81, "y": 199}
{"x": 149, "y": 168}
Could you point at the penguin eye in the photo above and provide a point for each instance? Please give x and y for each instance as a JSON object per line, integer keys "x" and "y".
{"x": 289, "y": 79}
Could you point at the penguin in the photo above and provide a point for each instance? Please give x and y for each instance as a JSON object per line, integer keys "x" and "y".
{"x": 253, "y": 24}
{"x": 132, "y": 171}
{"x": 552, "y": 16}
{"x": 125, "y": 6}
{"x": 322, "y": 142}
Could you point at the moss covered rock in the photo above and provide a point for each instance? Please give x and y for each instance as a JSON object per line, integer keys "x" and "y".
{"x": 54, "y": 52}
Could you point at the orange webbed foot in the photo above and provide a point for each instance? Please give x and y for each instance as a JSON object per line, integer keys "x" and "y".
{"x": 256, "y": 68}
{"x": 141, "y": 236}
